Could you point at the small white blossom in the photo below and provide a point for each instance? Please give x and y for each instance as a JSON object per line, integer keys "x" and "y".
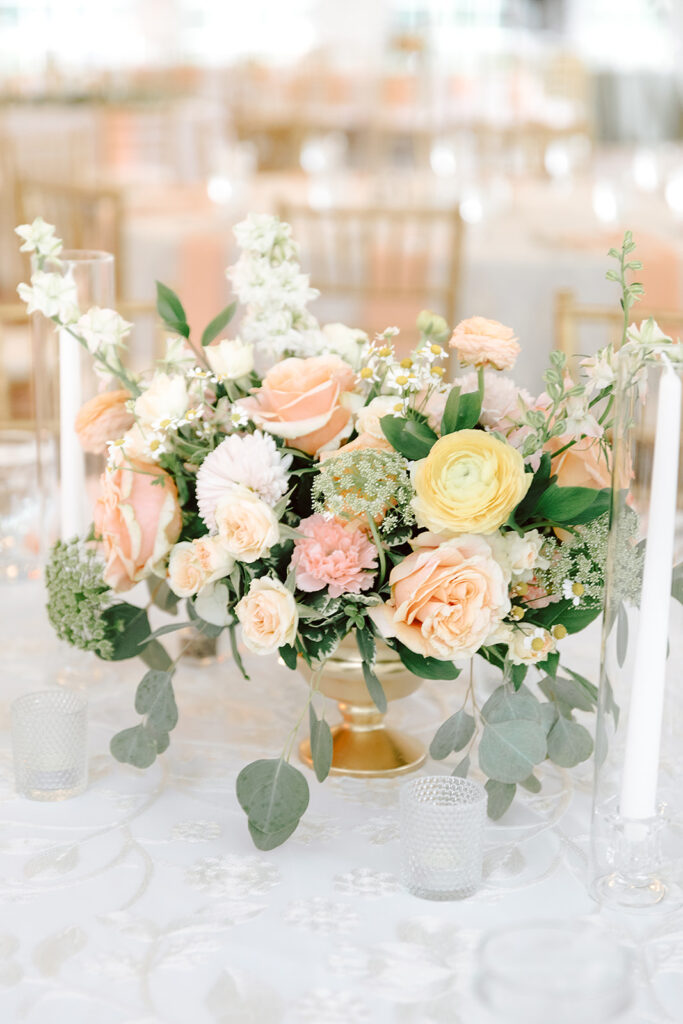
{"x": 103, "y": 330}
{"x": 569, "y": 592}
{"x": 39, "y": 237}
{"x": 579, "y": 421}
{"x": 599, "y": 369}
{"x": 53, "y": 295}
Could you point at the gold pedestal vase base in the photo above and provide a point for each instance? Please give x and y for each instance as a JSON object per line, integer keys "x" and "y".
{"x": 363, "y": 746}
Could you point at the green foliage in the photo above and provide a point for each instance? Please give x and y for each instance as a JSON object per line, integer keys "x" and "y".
{"x": 677, "y": 583}
{"x": 506, "y": 705}
{"x": 568, "y": 692}
{"x": 462, "y": 412}
{"x": 462, "y": 768}
{"x": 622, "y": 634}
{"x": 425, "y": 668}
{"x": 572, "y": 506}
{"x": 542, "y": 480}
{"x": 412, "y": 438}
{"x": 213, "y": 329}
{"x": 569, "y": 743}
{"x": 155, "y": 698}
{"x": 375, "y": 688}
{"x": 128, "y": 628}
{"x": 509, "y": 750}
{"x": 500, "y": 796}
{"x": 170, "y": 309}
{"x": 274, "y": 796}
{"x": 154, "y": 655}
{"x": 134, "y": 746}
{"x": 455, "y": 733}
{"x": 162, "y": 596}
{"x": 321, "y": 744}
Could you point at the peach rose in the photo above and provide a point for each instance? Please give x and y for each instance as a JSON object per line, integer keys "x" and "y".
{"x": 582, "y": 465}
{"x": 482, "y": 342}
{"x": 195, "y": 563}
{"x": 360, "y": 443}
{"x": 138, "y": 520}
{"x": 103, "y": 418}
{"x": 247, "y": 527}
{"x": 268, "y": 616}
{"x": 446, "y": 598}
{"x": 305, "y": 401}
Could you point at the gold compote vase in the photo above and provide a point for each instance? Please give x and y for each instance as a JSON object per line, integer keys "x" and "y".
{"x": 363, "y": 746}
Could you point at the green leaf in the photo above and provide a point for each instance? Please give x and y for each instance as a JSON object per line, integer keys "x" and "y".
{"x": 411, "y": 438}
{"x": 549, "y": 715}
{"x": 509, "y": 750}
{"x": 542, "y": 480}
{"x": 134, "y": 746}
{"x": 573, "y": 619}
{"x": 170, "y": 308}
{"x": 462, "y": 768}
{"x": 505, "y": 705}
{"x": 321, "y": 745}
{"x": 172, "y": 627}
{"x": 366, "y": 645}
{"x": 154, "y": 655}
{"x": 269, "y": 840}
{"x": 289, "y": 656}
{"x": 572, "y": 506}
{"x": 213, "y": 329}
{"x": 426, "y": 668}
{"x": 273, "y": 794}
{"x": 162, "y": 595}
{"x": 622, "y": 634}
{"x": 551, "y": 663}
{"x": 449, "y": 419}
{"x": 590, "y": 688}
{"x": 375, "y": 688}
{"x": 567, "y": 691}
{"x": 677, "y": 583}
{"x": 128, "y": 628}
{"x": 500, "y": 796}
{"x": 155, "y": 698}
{"x": 454, "y": 734}
{"x": 569, "y": 743}
{"x": 532, "y": 784}
{"x": 469, "y": 411}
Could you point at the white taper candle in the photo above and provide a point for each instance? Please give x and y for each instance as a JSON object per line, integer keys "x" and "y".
{"x": 643, "y": 738}
{"x": 71, "y": 455}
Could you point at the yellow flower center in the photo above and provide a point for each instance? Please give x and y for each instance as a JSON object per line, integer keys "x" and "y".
{"x": 407, "y": 362}
{"x": 537, "y": 644}
{"x": 366, "y": 373}
{"x": 559, "y": 631}
{"x": 577, "y": 589}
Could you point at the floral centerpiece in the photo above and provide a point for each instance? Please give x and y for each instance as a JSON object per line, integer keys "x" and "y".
{"x": 299, "y": 484}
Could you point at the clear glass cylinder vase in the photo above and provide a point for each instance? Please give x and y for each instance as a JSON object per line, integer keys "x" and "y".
{"x": 64, "y": 379}
{"x": 637, "y": 828}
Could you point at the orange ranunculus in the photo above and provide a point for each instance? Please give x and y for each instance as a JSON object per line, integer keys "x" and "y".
{"x": 103, "y": 418}
{"x": 302, "y": 400}
{"x": 582, "y": 465}
{"x": 137, "y": 519}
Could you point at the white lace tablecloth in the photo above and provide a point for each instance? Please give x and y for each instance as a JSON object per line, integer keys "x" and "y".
{"x": 143, "y": 901}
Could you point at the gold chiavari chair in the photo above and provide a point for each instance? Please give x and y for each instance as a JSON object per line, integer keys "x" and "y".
{"x": 386, "y": 264}
{"x": 16, "y": 393}
{"x": 580, "y": 328}
{"x": 87, "y": 217}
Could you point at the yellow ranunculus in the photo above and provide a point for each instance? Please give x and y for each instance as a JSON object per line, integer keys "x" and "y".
{"x": 469, "y": 483}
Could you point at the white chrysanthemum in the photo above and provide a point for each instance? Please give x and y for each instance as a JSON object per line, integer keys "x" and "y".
{"x": 251, "y": 460}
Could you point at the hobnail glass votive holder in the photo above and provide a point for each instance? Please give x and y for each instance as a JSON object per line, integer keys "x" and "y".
{"x": 49, "y": 741}
{"x": 442, "y": 836}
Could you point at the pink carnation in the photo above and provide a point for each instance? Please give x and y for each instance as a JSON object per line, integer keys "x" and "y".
{"x": 332, "y": 554}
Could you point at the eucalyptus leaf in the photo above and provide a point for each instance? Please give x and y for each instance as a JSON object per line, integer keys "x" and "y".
{"x": 273, "y": 794}
{"x": 462, "y": 768}
{"x": 454, "y": 734}
{"x": 569, "y": 743}
{"x": 677, "y": 583}
{"x": 134, "y": 746}
{"x": 269, "y": 840}
{"x": 162, "y": 595}
{"x": 532, "y": 784}
{"x": 321, "y": 745}
{"x": 366, "y": 645}
{"x": 568, "y": 691}
{"x": 375, "y": 688}
{"x": 500, "y": 796}
{"x": 154, "y": 697}
{"x": 549, "y": 715}
{"x": 509, "y": 750}
{"x": 154, "y": 655}
{"x": 505, "y": 705}
{"x": 128, "y": 628}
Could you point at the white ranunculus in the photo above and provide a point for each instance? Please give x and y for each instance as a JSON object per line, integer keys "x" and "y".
{"x": 519, "y": 557}
{"x": 39, "y": 237}
{"x": 268, "y": 616}
{"x": 368, "y": 419}
{"x": 230, "y": 360}
{"x": 348, "y": 342}
{"x": 211, "y": 604}
{"x": 52, "y": 295}
{"x": 247, "y": 526}
{"x": 166, "y": 398}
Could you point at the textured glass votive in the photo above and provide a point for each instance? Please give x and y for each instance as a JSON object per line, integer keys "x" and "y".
{"x": 554, "y": 971}
{"x": 49, "y": 740}
{"x": 442, "y": 836}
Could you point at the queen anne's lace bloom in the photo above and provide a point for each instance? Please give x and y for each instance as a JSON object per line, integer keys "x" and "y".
{"x": 250, "y": 460}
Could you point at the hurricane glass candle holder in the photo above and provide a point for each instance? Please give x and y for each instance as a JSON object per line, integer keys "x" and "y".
{"x": 442, "y": 836}
{"x": 49, "y": 741}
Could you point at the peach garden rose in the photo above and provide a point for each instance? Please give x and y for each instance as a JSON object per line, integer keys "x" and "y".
{"x": 103, "y": 418}
{"x": 306, "y": 402}
{"x": 482, "y": 342}
{"x": 247, "y": 526}
{"x": 446, "y": 598}
{"x": 138, "y": 519}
